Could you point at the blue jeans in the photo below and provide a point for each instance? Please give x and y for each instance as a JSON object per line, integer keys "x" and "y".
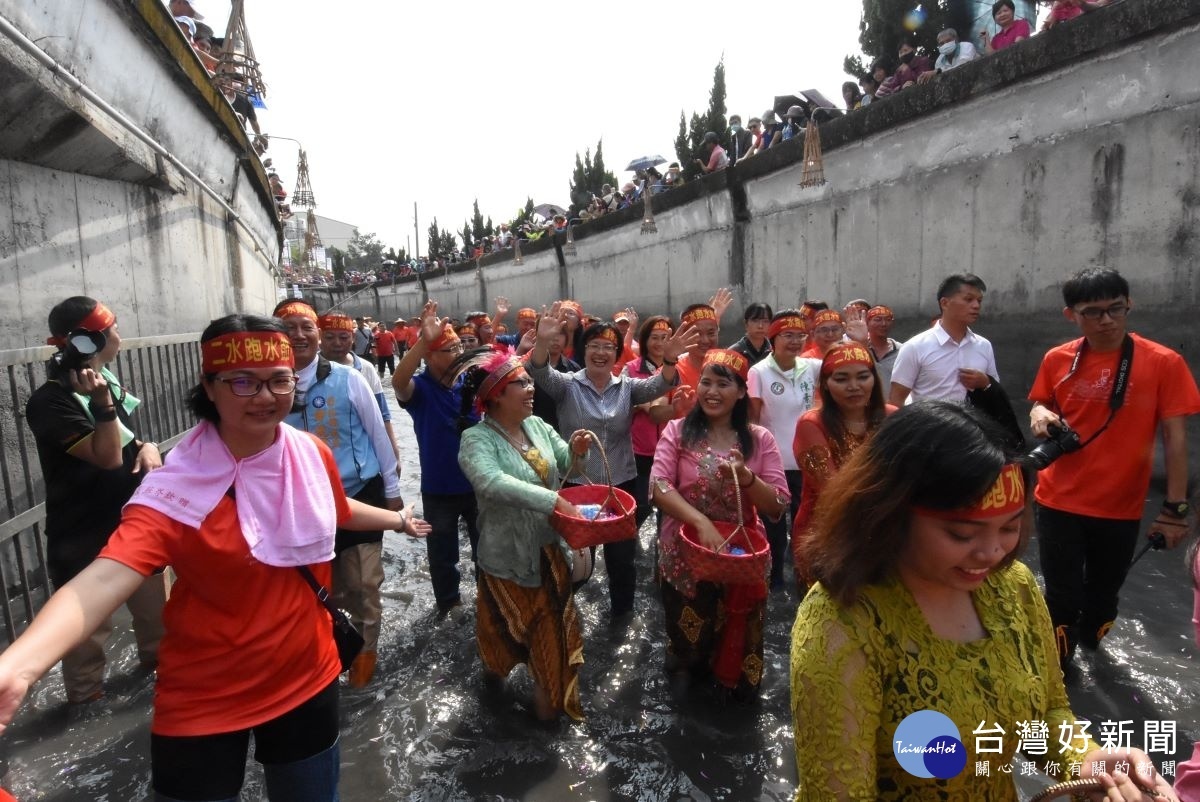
{"x": 443, "y": 511}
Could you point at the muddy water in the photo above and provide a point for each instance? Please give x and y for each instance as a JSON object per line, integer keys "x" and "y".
{"x": 426, "y": 729}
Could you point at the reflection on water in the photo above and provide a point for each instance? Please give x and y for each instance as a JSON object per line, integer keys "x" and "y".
{"x": 427, "y": 729}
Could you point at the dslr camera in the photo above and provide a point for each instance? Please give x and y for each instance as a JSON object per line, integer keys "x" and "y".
{"x": 1060, "y": 440}
{"x": 81, "y": 346}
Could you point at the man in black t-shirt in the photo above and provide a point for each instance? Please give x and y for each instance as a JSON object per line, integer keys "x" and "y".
{"x": 91, "y": 463}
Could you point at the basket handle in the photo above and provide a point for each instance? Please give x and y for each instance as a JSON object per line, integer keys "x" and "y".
{"x": 607, "y": 474}
{"x": 737, "y": 494}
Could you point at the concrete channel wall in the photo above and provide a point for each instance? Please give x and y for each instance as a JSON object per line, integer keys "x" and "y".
{"x": 1079, "y": 147}
{"x": 92, "y": 209}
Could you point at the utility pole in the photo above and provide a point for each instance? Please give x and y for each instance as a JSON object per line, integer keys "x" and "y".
{"x": 416, "y": 230}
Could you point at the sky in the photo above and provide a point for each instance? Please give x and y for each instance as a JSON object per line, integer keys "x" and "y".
{"x": 440, "y": 103}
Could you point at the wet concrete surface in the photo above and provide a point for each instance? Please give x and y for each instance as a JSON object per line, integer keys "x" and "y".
{"x": 427, "y": 729}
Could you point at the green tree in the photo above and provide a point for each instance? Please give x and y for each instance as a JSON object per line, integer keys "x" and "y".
{"x": 363, "y": 251}
{"x": 448, "y": 245}
{"x": 691, "y": 137}
{"x": 523, "y": 215}
{"x": 434, "y": 240}
{"x": 886, "y": 23}
{"x": 477, "y": 232}
{"x": 466, "y": 234}
{"x": 589, "y": 175}
{"x": 338, "y": 258}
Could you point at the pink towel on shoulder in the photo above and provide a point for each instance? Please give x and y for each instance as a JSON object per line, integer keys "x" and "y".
{"x": 284, "y": 500}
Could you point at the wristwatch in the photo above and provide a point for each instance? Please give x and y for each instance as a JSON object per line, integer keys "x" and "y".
{"x": 1176, "y": 509}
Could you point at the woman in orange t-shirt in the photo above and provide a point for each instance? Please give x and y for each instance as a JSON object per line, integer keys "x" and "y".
{"x": 248, "y": 646}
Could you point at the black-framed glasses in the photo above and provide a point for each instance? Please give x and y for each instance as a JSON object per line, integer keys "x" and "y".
{"x": 1115, "y": 312}
{"x": 248, "y": 386}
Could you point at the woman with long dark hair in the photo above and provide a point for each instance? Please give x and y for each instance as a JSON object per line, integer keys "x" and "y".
{"x": 645, "y": 431}
{"x": 851, "y": 409}
{"x": 715, "y": 628}
{"x": 244, "y": 506}
{"x": 921, "y": 608}
{"x": 525, "y": 611}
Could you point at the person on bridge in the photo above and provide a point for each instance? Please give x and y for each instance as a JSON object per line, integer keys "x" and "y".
{"x": 91, "y": 462}
{"x": 1089, "y": 509}
{"x": 433, "y": 398}
{"x": 243, "y": 507}
{"x": 921, "y": 606}
{"x": 335, "y": 403}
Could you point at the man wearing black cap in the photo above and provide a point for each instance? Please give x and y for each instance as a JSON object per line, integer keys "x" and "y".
{"x": 91, "y": 463}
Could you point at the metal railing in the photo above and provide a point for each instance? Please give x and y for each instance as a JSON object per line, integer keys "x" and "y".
{"x": 158, "y": 370}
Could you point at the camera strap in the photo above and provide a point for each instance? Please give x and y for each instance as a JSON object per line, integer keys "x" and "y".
{"x": 1116, "y": 399}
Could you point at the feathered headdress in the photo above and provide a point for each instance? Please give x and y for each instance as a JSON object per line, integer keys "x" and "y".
{"x": 487, "y": 371}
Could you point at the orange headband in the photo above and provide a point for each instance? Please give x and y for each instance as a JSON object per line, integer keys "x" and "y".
{"x": 99, "y": 319}
{"x": 468, "y": 329}
{"x": 827, "y": 316}
{"x": 728, "y": 359}
{"x": 242, "y": 350}
{"x": 845, "y": 354}
{"x": 789, "y": 323}
{"x": 661, "y": 325}
{"x": 698, "y": 314}
{"x": 479, "y": 318}
{"x": 448, "y": 337}
{"x": 526, "y": 314}
{"x": 571, "y": 305}
{"x": 607, "y": 334}
{"x": 1005, "y": 497}
{"x": 297, "y": 310}
{"x": 879, "y": 311}
{"x": 337, "y": 323}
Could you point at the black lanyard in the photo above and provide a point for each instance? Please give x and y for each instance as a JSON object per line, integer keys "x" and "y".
{"x": 1117, "y": 399}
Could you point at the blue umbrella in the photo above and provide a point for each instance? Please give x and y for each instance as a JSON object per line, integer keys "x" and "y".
{"x": 644, "y": 162}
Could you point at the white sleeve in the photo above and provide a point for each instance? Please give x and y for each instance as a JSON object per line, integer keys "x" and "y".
{"x": 907, "y": 366}
{"x": 754, "y": 383}
{"x": 990, "y": 355}
{"x": 367, "y": 409}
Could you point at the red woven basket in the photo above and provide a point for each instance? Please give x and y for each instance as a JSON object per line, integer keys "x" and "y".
{"x": 580, "y": 532}
{"x": 720, "y": 566}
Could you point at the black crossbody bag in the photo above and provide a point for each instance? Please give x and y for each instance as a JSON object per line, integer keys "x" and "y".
{"x": 348, "y": 639}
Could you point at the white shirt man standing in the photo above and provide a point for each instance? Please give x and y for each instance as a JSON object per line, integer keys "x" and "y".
{"x": 949, "y": 360}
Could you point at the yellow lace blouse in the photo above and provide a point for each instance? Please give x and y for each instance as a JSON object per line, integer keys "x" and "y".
{"x": 857, "y": 672}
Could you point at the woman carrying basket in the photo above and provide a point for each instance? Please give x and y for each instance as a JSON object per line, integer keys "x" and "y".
{"x": 596, "y": 400}
{"x": 244, "y": 506}
{"x": 524, "y": 607}
{"x": 921, "y": 608}
{"x": 711, "y": 467}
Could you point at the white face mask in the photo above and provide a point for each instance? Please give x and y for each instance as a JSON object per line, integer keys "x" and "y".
{"x": 948, "y": 48}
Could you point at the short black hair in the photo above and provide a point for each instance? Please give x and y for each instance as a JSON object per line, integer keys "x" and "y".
{"x": 951, "y": 284}
{"x": 999, "y": 4}
{"x": 197, "y": 400}
{"x": 816, "y": 306}
{"x": 1094, "y": 284}
{"x": 66, "y": 316}
{"x": 757, "y": 311}
{"x": 596, "y": 329}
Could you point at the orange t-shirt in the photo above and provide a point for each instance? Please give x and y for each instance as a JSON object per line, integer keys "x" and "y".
{"x": 1108, "y": 478}
{"x": 245, "y": 642}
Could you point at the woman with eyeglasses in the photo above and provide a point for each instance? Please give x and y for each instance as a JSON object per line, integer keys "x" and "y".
{"x": 524, "y": 607}
{"x": 594, "y": 399}
{"x": 242, "y": 505}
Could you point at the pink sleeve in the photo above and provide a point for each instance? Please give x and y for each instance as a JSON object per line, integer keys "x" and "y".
{"x": 767, "y": 462}
{"x": 666, "y": 454}
{"x": 714, "y": 160}
{"x": 1196, "y": 613}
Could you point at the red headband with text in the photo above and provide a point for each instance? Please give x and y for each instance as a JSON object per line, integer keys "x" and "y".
{"x": 297, "y": 310}
{"x": 789, "y": 323}
{"x": 337, "y": 323}
{"x": 99, "y": 319}
{"x": 1006, "y": 496}
{"x": 244, "y": 350}
{"x": 843, "y": 354}
{"x": 728, "y": 359}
